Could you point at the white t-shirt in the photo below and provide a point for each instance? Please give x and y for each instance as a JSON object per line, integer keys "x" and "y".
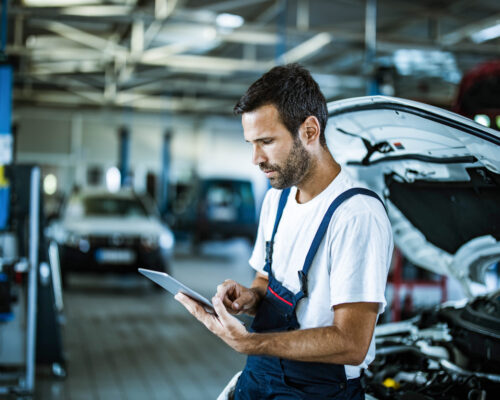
{"x": 352, "y": 261}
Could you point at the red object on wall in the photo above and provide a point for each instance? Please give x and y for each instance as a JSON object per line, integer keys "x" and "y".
{"x": 399, "y": 283}
{"x": 479, "y": 92}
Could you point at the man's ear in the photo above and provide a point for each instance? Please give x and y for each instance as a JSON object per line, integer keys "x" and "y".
{"x": 310, "y": 130}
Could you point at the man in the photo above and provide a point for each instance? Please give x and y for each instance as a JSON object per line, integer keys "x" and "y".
{"x": 322, "y": 255}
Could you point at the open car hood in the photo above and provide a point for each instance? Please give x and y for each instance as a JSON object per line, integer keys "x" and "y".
{"x": 439, "y": 173}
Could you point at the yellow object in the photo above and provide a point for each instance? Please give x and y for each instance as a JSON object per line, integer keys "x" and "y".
{"x": 3, "y": 180}
{"x": 391, "y": 383}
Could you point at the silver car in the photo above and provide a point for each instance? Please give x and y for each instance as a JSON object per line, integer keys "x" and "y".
{"x": 117, "y": 232}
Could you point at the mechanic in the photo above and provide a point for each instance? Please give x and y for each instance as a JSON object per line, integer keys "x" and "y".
{"x": 322, "y": 255}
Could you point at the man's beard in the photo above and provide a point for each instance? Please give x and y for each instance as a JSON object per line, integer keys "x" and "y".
{"x": 294, "y": 169}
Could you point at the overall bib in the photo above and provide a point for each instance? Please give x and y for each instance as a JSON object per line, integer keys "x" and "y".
{"x": 267, "y": 377}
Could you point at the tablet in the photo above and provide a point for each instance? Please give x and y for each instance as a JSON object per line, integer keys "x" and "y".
{"x": 174, "y": 286}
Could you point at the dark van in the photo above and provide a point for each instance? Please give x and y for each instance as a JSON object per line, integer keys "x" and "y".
{"x": 216, "y": 208}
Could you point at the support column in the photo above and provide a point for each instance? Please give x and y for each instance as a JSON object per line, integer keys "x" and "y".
{"x": 5, "y": 140}
{"x": 124, "y": 160}
{"x": 372, "y": 85}
{"x": 3, "y": 28}
{"x": 165, "y": 172}
{"x": 77, "y": 154}
{"x": 281, "y": 28}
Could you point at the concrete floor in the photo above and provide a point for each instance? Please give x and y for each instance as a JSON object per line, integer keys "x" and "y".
{"x": 124, "y": 340}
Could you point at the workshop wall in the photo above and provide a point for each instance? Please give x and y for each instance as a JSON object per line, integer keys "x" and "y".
{"x": 69, "y": 144}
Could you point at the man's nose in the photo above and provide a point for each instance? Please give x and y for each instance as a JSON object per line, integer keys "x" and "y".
{"x": 258, "y": 156}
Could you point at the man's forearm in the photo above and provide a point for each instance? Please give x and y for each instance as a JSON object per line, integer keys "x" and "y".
{"x": 326, "y": 344}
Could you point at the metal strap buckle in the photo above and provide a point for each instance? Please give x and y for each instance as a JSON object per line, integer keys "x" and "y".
{"x": 269, "y": 252}
{"x": 303, "y": 282}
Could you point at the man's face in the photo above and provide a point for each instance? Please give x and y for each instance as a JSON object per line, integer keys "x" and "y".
{"x": 282, "y": 158}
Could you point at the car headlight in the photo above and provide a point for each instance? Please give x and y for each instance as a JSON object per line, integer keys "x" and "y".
{"x": 72, "y": 239}
{"x": 149, "y": 241}
{"x": 84, "y": 245}
{"x": 166, "y": 240}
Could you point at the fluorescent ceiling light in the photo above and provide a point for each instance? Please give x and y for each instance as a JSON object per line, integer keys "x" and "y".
{"x": 59, "y": 3}
{"x": 113, "y": 179}
{"x": 97, "y": 11}
{"x": 482, "y": 119}
{"x": 229, "y": 21}
{"x": 491, "y": 32}
{"x": 50, "y": 184}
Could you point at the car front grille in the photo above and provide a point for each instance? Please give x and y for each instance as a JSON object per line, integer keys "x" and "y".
{"x": 114, "y": 241}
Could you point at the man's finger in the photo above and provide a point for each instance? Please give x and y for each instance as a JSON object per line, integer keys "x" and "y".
{"x": 220, "y": 309}
{"x": 228, "y": 303}
{"x": 197, "y": 310}
{"x": 224, "y": 316}
{"x": 224, "y": 287}
{"x": 191, "y": 305}
{"x": 244, "y": 302}
{"x": 187, "y": 302}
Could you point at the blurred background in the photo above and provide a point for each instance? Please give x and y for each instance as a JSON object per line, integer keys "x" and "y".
{"x": 119, "y": 150}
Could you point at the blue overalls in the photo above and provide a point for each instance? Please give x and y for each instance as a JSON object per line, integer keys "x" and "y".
{"x": 267, "y": 377}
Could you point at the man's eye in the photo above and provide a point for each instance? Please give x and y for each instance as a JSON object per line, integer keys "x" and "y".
{"x": 267, "y": 141}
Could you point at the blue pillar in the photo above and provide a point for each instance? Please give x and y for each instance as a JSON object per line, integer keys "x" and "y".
{"x": 165, "y": 172}
{"x": 124, "y": 160}
{"x": 3, "y": 28}
{"x": 281, "y": 28}
{"x": 372, "y": 85}
{"x": 5, "y": 140}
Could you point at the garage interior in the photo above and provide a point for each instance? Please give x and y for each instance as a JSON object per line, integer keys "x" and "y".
{"x": 136, "y": 97}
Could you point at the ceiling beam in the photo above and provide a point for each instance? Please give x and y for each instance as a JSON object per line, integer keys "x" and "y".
{"x": 66, "y": 67}
{"x": 208, "y": 63}
{"x": 224, "y": 6}
{"x": 467, "y": 31}
{"x": 154, "y": 103}
{"x": 308, "y": 48}
{"x": 82, "y": 37}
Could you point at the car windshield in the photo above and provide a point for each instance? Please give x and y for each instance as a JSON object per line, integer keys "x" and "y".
{"x": 105, "y": 206}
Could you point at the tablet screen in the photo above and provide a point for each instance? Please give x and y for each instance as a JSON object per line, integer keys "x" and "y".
{"x": 174, "y": 286}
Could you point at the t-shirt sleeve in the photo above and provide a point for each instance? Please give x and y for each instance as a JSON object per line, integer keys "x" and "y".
{"x": 258, "y": 258}
{"x": 361, "y": 252}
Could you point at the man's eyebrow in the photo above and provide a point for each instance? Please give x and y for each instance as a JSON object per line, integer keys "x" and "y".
{"x": 260, "y": 139}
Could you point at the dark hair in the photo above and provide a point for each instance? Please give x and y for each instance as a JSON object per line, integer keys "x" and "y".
{"x": 295, "y": 94}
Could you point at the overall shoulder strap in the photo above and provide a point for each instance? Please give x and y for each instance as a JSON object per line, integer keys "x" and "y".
{"x": 270, "y": 243}
{"x": 322, "y": 230}
{"x": 279, "y": 213}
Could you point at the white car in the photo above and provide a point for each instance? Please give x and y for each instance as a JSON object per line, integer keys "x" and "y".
{"x": 439, "y": 174}
{"x": 111, "y": 232}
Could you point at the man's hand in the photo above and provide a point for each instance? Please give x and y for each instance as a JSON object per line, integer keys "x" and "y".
{"x": 237, "y": 298}
{"x": 344, "y": 342}
{"x": 224, "y": 325}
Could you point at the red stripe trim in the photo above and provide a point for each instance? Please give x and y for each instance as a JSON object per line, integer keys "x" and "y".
{"x": 279, "y": 297}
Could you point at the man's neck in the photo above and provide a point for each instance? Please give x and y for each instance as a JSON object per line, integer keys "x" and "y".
{"x": 323, "y": 171}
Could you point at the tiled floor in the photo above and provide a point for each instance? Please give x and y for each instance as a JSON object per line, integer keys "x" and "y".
{"x": 124, "y": 340}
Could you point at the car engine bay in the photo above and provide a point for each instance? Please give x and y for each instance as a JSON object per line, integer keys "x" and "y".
{"x": 449, "y": 352}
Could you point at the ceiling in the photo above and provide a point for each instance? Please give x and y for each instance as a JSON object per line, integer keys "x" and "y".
{"x": 187, "y": 56}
